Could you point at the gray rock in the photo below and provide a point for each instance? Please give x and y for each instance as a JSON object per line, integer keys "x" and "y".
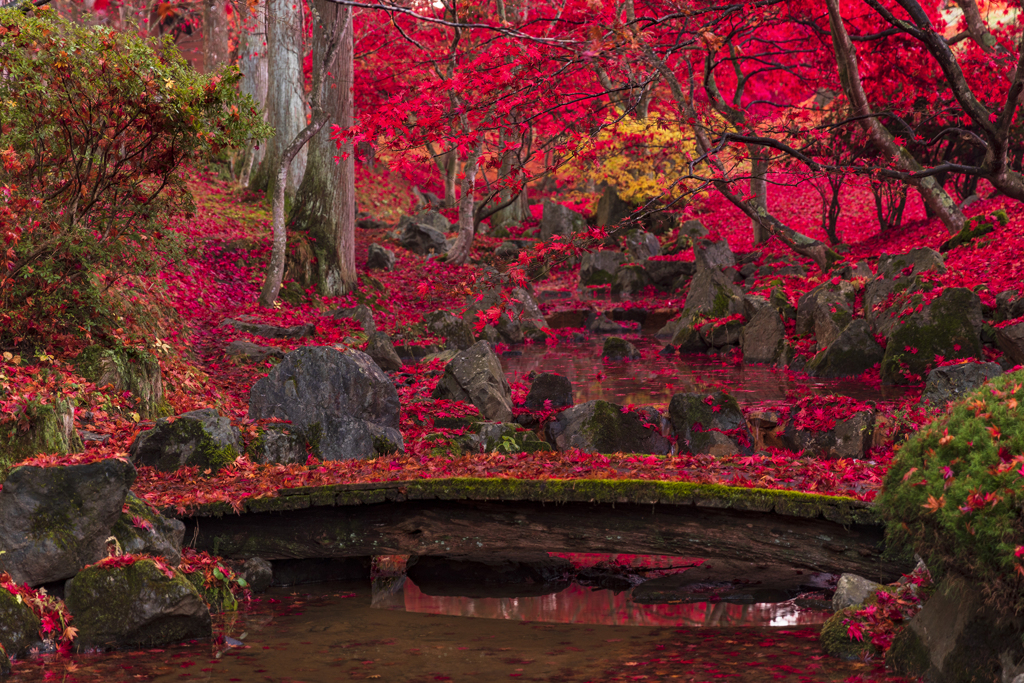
{"x": 341, "y": 401}
{"x": 691, "y": 230}
{"x": 272, "y": 331}
{"x": 780, "y": 269}
{"x": 382, "y": 351}
{"x": 602, "y": 324}
{"x": 549, "y": 386}
{"x": 454, "y": 330}
{"x": 611, "y": 209}
{"x": 278, "y": 444}
{"x": 55, "y": 520}
{"x": 618, "y": 349}
{"x": 764, "y": 337}
{"x": 719, "y": 335}
{"x": 247, "y": 351}
{"x": 665, "y": 273}
{"x": 957, "y": 638}
{"x": 427, "y": 217}
{"x": 602, "y": 427}
{"x": 630, "y": 281}
{"x": 897, "y": 277}
{"x": 850, "y": 438}
{"x": 445, "y": 356}
{"x": 130, "y": 369}
{"x": 526, "y": 318}
{"x": 1011, "y": 341}
{"x": 918, "y": 261}
{"x": 135, "y": 606}
{"x": 854, "y": 351}
{"x": 950, "y": 382}
{"x": 850, "y": 271}
{"x": 257, "y": 572}
{"x": 642, "y": 245}
{"x": 558, "y": 219}
{"x": 144, "y": 530}
{"x": 699, "y": 421}
{"x": 476, "y": 376}
{"x": 361, "y": 314}
{"x": 19, "y": 626}
{"x": 714, "y": 255}
{"x": 199, "y": 438}
{"x": 380, "y": 258}
{"x": 1009, "y": 305}
{"x": 713, "y": 294}
{"x": 826, "y": 302}
{"x": 507, "y": 251}
{"x": 949, "y": 326}
{"x": 853, "y": 590}
{"x": 599, "y": 267}
{"x": 422, "y": 239}
{"x": 688, "y": 339}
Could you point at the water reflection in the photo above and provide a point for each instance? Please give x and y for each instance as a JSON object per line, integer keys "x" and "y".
{"x": 655, "y": 378}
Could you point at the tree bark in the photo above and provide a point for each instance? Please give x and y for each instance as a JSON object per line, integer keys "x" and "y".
{"x": 215, "y": 35}
{"x": 759, "y": 189}
{"x": 252, "y": 61}
{"x": 322, "y": 216}
{"x": 459, "y": 253}
{"x": 934, "y": 195}
{"x": 976, "y": 26}
{"x": 286, "y": 110}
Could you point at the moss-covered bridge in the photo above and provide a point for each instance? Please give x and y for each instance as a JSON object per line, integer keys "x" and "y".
{"x": 469, "y": 516}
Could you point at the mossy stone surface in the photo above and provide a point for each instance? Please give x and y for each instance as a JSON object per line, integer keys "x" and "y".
{"x": 135, "y": 606}
{"x": 129, "y": 369}
{"x": 51, "y": 430}
{"x": 19, "y": 626}
{"x": 200, "y": 438}
{"x": 603, "y": 427}
{"x": 700, "y": 418}
{"x": 835, "y": 638}
{"x": 143, "y": 530}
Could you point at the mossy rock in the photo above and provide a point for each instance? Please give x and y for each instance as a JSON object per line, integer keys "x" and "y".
{"x": 51, "y": 430}
{"x": 143, "y": 530}
{"x": 19, "y": 626}
{"x": 602, "y": 427}
{"x": 699, "y": 418}
{"x": 952, "y": 493}
{"x": 836, "y": 641}
{"x": 617, "y": 349}
{"x": 200, "y": 438}
{"x": 135, "y": 606}
{"x": 217, "y": 596}
{"x": 129, "y": 369}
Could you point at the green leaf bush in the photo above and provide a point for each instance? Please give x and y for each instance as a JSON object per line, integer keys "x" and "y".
{"x": 955, "y": 492}
{"x": 97, "y": 131}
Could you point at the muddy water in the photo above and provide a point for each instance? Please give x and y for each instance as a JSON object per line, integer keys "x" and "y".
{"x": 329, "y": 632}
{"x": 653, "y": 379}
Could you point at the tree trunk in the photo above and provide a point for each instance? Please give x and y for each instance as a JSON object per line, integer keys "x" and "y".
{"x": 252, "y": 61}
{"x": 759, "y": 188}
{"x": 215, "y": 35}
{"x": 459, "y": 253}
{"x": 933, "y": 194}
{"x": 322, "y": 216}
{"x": 286, "y": 110}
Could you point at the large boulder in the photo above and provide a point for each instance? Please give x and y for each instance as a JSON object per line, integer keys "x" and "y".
{"x": 666, "y": 272}
{"x": 423, "y": 240}
{"x": 853, "y": 351}
{"x": 199, "y": 438}
{"x": 690, "y": 231}
{"x": 382, "y": 350}
{"x": 763, "y": 338}
{"x": 428, "y": 217}
{"x": 951, "y": 382}
{"x": 714, "y": 255}
{"x": 137, "y": 605}
{"x": 603, "y": 427}
{"x": 559, "y": 219}
{"x": 455, "y": 331}
{"x": 130, "y": 369}
{"x": 846, "y": 438}
{"x": 476, "y": 376}
{"x": 144, "y": 530}
{"x": 897, "y": 278}
{"x": 19, "y": 626}
{"x": 340, "y": 400}
{"x": 51, "y": 430}
{"x": 710, "y": 423}
{"x": 611, "y": 209}
{"x": 713, "y": 295}
{"x": 602, "y": 324}
{"x": 549, "y": 386}
{"x": 826, "y": 310}
{"x": 718, "y": 334}
{"x": 600, "y": 267}
{"x": 958, "y": 638}
{"x": 380, "y": 258}
{"x": 1011, "y": 340}
{"x": 55, "y": 520}
{"x": 853, "y": 590}
{"x": 949, "y": 326}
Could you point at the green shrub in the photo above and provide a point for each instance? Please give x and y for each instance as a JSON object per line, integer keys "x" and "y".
{"x": 955, "y": 491}
{"x": 96, "y": 128}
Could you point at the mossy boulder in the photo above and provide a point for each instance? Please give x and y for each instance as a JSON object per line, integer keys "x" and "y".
{"x": 509, "y": 437}
{"x": 600, "y": 267}
{"x": 135, "y": 606}
{"x": 130, "y": 369}
{"x": 949, "y": 326}
{"x": 710, "y": 423}
{"x": 849, "y": 438}
{"x": 454, "y": 330}
{"x": 144, "y": 530}
{"x": 720, "y": 334}
{"x": 51, "y": 430}
{"x": 19, "y": 626}
{"x": 952, "y": 493}
{"x": 898, "y": 276}
{"x": 666, "y": 272}
{"x": 199, "y": 438}
{"x": 521, "y": 319}
{"x": 836, "y": 641}
{"x": 713, "y": 295}
{"x": 603, "y": 427}
{"x": 55, "y": 520}
{"x": 825, "y": 301}
{"x": 618, "y": 349}
{"x": 278, "y": 444}
{"x": 851, "y": 353}
{"x": 475, "y": 376}
{"x": 687, "y": 337}
{"x": 642, "y": 245}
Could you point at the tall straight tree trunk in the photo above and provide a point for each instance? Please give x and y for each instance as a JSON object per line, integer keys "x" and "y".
{"x": 215, "y": 35}
{"x": 759, "y": 188}
{"x": 286, "y": 110}
{"x": 252, "y": 61}
{"x": 459, "y": 253}
{"x": 322, "y": 218}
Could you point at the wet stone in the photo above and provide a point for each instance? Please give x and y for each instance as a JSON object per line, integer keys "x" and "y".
{"x": 551, "y": 387}
{"x": 618, "y": 349}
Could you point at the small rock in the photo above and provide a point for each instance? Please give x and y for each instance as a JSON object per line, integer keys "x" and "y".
{"x": 602, "y": 324}
{"x": 144, "y": 530}
{"x": 602, "y": 427}
{"x": 382, "y": 351}
{"x": 1011, "y": 341}
{"x": 272, "y": 331}
{"x": 454, "y": 330}
{"x": 713, "y": 255}
{"x": 630, "y": 281}
{"x": 699, "y": 420}
{"x": 507, "y": 251}
{"x": 665, "y": 273}
{"x": 551, "y": 387}
{"x": 618, "y": 349}
{"x": 247, "y": 351}
{"x": 849, "y": 439}
{"x": 422, "y": 239}
{"x": 853, "y": 352}
{"x": 379, "y": 258}
{"x": 641, "y": 245}
{"x": 199, "y": 438}
{"x": 600, "y": 267}
{"x": 361, "y": 314}
{"x": 764, "y": 337}
{"x": 853, "y": 590}
{"x": 256, "y": 572}
{"x": 19, "y": 626}
{"x": 950, "y": 382}
{"x": 278, "y": 444}
{"x": 691, "y": 230}
{"x": 720, "y": 335}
